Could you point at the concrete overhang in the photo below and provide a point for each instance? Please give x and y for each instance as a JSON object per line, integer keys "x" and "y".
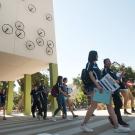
{"x": 13, "y": 67}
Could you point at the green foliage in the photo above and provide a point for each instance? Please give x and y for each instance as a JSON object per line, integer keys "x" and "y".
{"x": 36, "y": 79}
{"x": 130, "y": 73}
{"x": 16, "y": 97}
{"x": 80, "y": 98}
{"x": 77, "y": 81}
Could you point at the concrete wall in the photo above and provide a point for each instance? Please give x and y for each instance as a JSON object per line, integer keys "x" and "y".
{"x": 27, "y": 34}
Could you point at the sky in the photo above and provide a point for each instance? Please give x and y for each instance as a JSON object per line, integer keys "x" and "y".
{"x": 107, "y": 26}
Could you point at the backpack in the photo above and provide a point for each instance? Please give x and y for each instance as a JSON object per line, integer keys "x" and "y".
{"x": 85, "y": 76}
{"x": 54, "y": 92}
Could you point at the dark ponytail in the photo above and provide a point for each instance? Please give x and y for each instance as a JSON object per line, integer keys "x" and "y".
{"x": 92, "y": 56}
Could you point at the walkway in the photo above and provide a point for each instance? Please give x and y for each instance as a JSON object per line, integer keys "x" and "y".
{"x": 26, "y": 125}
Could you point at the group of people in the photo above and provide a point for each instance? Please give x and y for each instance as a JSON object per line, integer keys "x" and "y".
{"x": 63, "y": 99}
{"x": 95, "y": 74}
{"x": 125, "y": 90}
{"x": 39, "y": 95}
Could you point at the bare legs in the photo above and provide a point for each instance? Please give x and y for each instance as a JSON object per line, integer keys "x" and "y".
{"x": 91, "y": 109}
{"x": 112, "y": 115}
{"x": 71, "y": 106}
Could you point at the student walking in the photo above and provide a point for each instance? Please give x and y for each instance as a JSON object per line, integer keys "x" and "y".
{"x": 116, "y": 95}
{"x": 68, "y": 100}
{"x": 95, "y": 75}
{"x": 35, "y": 101}
{"x": 43, "y": 97}
{"x": 60, "y": 98}
{"x": 125, "y": 91}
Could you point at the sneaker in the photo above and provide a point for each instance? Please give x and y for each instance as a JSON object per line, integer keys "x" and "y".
{"x": 75, "y": 116}
{"x": 84, "y": 128}
{"x": 53, "y": 119}
{"x": 38, "y": 116}
{"x": 66, "y": 118}
{"x": 121, "y": 129}
{"x": 124, "y": 124}
{"x": 126, "y": 112}
{"x": 4, "y": 118}
{"x": 133, "y": 111}
{"x": 44, "y": 118}
{"x": 93, "y": 114}
{"x": 69, "y": 118}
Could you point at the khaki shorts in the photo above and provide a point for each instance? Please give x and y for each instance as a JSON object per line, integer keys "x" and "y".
{"x": 124, "y": 90}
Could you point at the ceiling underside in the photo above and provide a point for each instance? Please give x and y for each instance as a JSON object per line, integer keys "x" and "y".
{"x": 13, "y": 67}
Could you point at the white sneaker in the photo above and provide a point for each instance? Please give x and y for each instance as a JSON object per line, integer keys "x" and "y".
{"x": 122, "y": 129}
{"x": 68, "y": 118}
{"x": 53, "y": 119}
{"x": 85, "y": 128}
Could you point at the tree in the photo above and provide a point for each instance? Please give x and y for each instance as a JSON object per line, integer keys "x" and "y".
{"x": 36, "y": 78}
{"x": 130, "y": 73}
{"x": 80, "y": 98}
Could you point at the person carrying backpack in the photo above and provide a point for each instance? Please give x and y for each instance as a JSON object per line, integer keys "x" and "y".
{"x": 60, "y": 98}
{"x": 95, "y": 76}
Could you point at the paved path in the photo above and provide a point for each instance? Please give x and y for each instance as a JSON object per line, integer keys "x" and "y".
{"x": 26, "y": 125}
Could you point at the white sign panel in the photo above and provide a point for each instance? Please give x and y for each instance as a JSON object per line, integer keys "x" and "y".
{"x": 108, "y": 83}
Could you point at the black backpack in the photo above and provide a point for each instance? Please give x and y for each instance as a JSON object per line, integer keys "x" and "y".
{"x": 85, "y": 76}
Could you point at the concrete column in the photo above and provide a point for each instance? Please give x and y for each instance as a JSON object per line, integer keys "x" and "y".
{"x": 53, "y": 68}
{"x": 27, "y": 96}
{"x": 10, "y": 97}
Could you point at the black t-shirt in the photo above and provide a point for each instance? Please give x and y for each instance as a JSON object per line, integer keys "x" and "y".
{"x": 96, "y": 72}
{"x": 34, "y": 94}
{"x": 109, "y": 71}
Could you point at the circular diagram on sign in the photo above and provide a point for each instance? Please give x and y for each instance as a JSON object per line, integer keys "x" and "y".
{"x": 20, "y": 34}
{"x": 49, "y": 17}
{"x": 30, "y": 45}
{"x": 50, "y": 43}
{"x": 31, "y": 8}
{"x": 7, "y": 29}
{"x": 49, "y": 51}
{"x": 41, "y": 32}
{"x": 40, "y": 41}
{"x": 19, "y": 25}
